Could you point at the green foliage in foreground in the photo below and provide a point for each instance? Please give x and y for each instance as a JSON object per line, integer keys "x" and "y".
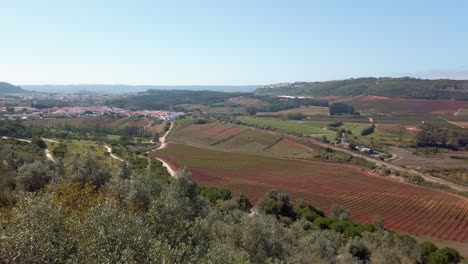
{"x": 81, "y": 214}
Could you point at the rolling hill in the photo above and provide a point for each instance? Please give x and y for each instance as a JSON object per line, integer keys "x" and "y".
{"x": 7, "y": 88}
{"x": 389, "y": 87}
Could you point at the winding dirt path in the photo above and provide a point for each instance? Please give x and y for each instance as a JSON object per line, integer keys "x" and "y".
{"x": 426, "y": 177}
{"x": 163, "y": 144}
{"x": 109, "y": 150}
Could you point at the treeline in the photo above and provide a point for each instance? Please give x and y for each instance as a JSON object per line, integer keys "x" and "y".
{"x": 100, "y": 126}
{"x": 17, "y": 129}
{"x": 339, "y": 108}
{"x": 166, "y": 99}
{"x": 434, "y": 136}
{"x": 276, "y": 104}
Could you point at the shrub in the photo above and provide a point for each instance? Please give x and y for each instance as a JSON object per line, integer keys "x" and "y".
{"x": 276, "y": 203}
{"x": 34, "y": 176}
{"x": 444, "y": 256}
{"x": 323, "y": 222}
{"x": 214, "y": 194}
{"x": 294, "y": 116}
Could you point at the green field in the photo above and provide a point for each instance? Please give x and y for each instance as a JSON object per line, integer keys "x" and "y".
{"x": 302, "y": 127}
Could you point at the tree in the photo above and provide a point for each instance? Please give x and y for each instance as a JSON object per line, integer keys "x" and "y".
{"x": 444, "y": 256}
{"x": 427, "y": 249}
{"x": 251, "y": 110}
{"x": 10, "y": 109}
{"x": 213, "y": 194}
{"x": 39, "y": 142}
{"x": 277, "y": 204}
{"x": 36, "y": 233}
{"x": 294, "y": 116}
{"x": 339, "y": 108}
{"x": 244, "y": 203}
{"x": 88, "y": 170}
{"x": 378, "y": 222}
{"x": 34, "y": 176}
{"x": 340, "y": 213}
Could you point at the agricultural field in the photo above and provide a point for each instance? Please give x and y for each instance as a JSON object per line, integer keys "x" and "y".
{"x": 235, "y": 138}
{"x": 301, "y": 127}
{"x": 246, "y": 101}
{"x": 387, "y": 105}
{"x": 356, "y": 129}
{"x": 404, "y": 207}
{"x": 462, "y": 112}
{"x": 385, "y": 136}
{"x": 305, "y": 110}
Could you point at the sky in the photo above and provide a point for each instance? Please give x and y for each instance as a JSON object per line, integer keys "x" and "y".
{"x": 229, "y": 42}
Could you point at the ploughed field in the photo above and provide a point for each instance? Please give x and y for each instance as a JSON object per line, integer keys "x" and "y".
{"x": 404, "y": 207}
{"x": 387, "y": 105}
{"x": 234, "y": 138}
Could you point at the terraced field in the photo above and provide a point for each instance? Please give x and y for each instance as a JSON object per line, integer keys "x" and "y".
{"x": 404, "y": 207}
{"x": 387, "y": 105}
{"x": 241, "y": 139}
{"x": 305, "y": 110}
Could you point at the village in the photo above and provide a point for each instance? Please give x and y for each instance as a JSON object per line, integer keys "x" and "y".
{"x": 29, "y": 113}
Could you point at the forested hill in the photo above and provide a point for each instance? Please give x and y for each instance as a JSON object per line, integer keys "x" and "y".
{"x": 390, "y": 87}
{"x": 7, "y": 88}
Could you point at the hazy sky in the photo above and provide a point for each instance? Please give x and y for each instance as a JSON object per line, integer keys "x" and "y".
{"x": 229, "y": 42}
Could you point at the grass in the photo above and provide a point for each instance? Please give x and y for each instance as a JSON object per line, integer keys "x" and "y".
{"x": 305, "y": 110}
{"x": 82, "y": 147}
{"x": 355, "y": 129}
{"x": 302, "y": 127}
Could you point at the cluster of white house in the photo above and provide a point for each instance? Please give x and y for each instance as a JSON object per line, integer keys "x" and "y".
{"x": 82, "y": 111}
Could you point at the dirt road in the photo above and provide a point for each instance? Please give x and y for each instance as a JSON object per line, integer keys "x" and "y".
{"x": 162, "y": 141}
{"x": 426, "y": 177}
{"x": 109, "y": 150}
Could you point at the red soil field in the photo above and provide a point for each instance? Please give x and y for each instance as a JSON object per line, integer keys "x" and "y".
{"x": 406, "y": 106}
{"x": 404, "y": 207}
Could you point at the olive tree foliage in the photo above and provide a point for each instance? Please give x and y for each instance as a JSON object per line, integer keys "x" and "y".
{"x": 110, "y": 235}
{"x": 276, "y": 203}
{"x": 36, "y": 233}
{"x": 135, "y": 191}
{"x": 141, "y": 220}
{"x": 87, "y": 169}
{"x": 34, "y": 176}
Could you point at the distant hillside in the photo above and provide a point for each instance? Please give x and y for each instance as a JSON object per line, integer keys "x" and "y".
{"x": 390, "y": 87}
{"x": 164, "y": 99}
{"x": 6, "y": 88}
{"x": 121, "y": 88}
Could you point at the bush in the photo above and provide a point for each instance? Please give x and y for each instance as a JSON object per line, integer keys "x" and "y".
{"x": 34, "y": 176}
{"x": 294, "y": 116}
{"x": 308, "y": 212}
{"x": 39, "y": 142}
{"x": 200, "y": 121}
{"x": 339, "y": 108}
{"x": 427, "y": 249}
{"x": 276, "y": 203}
{"x": 214, "y": 194}
{"x": 323, "y": 222}
{"x": 367, "y": 131}
{"x": 444, "y": 256}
